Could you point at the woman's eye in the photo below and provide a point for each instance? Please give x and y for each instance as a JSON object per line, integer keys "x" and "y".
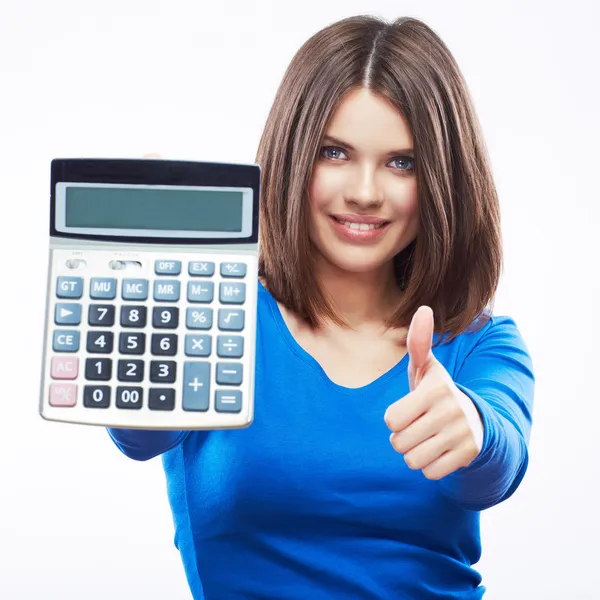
{"x": 332, "y": 152}
{"x": 403, "y": 163}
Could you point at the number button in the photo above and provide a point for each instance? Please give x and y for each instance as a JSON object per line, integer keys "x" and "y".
{"x": 199, "y": 318}
{"x": 161, "y": 399}
{"x": 102, "y": 315}
{"x": 100, "y": 342}
{"x": 164, "y": 344}
{"x": 132, "y": 343}
{"x": 129, "y": 397}
{"x": 130, "y": 370}
{"x": 99, "y": 369}
{"x": 165, "y": 317}
{"x": 133, "y": 316}
{"x": 163, "y": 371}
{"x": 96, "y": 396}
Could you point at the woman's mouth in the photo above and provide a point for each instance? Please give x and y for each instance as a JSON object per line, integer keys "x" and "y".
{"x": 357, "y": 228}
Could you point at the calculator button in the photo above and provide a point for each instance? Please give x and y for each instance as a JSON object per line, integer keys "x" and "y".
{"x": 228, "y": 401}
{"x": 133, "y": 316}
{"x": 134, "y": 289}
{"x": 64, "y": 367}
{"x": 167, "y": 267}
{"x": 63, "y": 394}
{"x": 198, "y": 345}
{"x": 163, "y": 371}
{"x": 103, "y": 288}
{"x": 229, "y": 373}
{"x": 100, "y": 342}
{"x": 69, "y": 287}
{"x": 101, "y": 315}
{"x": 231, "y": 320}
{"x": 67, "y": 313}
{"x": 230, "y": 346}
{"x": 197, "y": 318}
{"x": 196, "y": 386}
{"x": 161, "y": 399}
{"x": 98, "y": 369}
{"x": 96, "y": 396}
{"x": 201, "y": 268}
{"x": 129, "y": 397}
{"x": 203, "y": 291}
{"x": 167, "y": 290}
{"x": 132, "y": 343}
{"x": 130, "y": 370}
{"x": 233, "y": 269}
{"x": 232, "y": 292}
{"x": 164, "y": 344}
{"x": 165, "y": 317}
{"x": 65, "y": 340}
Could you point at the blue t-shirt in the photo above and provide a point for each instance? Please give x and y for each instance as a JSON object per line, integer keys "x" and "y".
{"x": 311, "y": 501}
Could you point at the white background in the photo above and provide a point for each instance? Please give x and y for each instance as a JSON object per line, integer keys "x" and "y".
{"x": 195, "y": 80}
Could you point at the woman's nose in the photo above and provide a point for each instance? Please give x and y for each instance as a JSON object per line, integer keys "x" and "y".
{"x": 362, "y": 190}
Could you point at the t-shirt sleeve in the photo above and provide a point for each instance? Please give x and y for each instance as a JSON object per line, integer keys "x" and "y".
{"x": 144, "y": 444}
{"x": 497, "y": 374}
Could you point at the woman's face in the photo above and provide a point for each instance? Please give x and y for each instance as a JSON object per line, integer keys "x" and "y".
{"x": 363, "y": 192}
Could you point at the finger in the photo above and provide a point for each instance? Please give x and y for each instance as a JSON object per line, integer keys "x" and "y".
{"x": 444, "y": 465}
{"x": 418, "y": 344}
{"x": 420, "y": 430}
{"x": 429, "y": 451}
{"x": 405, "y": 411}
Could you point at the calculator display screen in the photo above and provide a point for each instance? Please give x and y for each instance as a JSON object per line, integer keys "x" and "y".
{"x": 154, "y": 210}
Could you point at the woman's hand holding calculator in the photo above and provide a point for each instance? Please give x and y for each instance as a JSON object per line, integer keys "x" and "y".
{"x": 436, "y": 426}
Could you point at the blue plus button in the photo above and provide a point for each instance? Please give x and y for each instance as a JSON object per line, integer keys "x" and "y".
{"x": 196, "y": 386}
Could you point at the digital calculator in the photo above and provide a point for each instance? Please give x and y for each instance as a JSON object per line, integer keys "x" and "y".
{"x": 151, "y": 296}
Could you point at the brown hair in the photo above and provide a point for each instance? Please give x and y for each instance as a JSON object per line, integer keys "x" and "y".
{"x": 454, "y": 264}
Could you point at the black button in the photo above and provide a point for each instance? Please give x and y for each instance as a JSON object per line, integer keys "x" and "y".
{"x": 132, "y": 343}
{"x": 101, "y": 315}
{"x": 165, "y": 317}
{"x": 129, "y": 397}
{"x": 163, "y": 371}
{"x": 133, "y": 316}
{"x": 161, "y": 399}
{"x": 130, "y": 370}
{"x": 164, "y": 344}
{"x": 96, "y": 396}
{"x": 98, "y": 369}
{"x": 100, "y": 342}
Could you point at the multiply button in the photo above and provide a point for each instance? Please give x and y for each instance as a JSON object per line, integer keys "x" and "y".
{"x": 232, "y": 293}
{"x": 69, "y": 287}
{"x": 196, "y": 386}
{"x": 67, "y": 313}
{"x": 201, "y": 268}
{"x": 198, "y": 345}
{"x": 233, "y": 269}
{"x": 103, "y": 288}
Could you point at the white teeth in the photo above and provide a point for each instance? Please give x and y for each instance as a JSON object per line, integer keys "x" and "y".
{"x": 360, "y": 226}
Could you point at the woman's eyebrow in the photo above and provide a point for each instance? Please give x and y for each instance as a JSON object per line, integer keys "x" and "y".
{"x": 333, "y": 140}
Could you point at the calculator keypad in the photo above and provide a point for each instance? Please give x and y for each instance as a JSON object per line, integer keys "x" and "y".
{"x": 168, "y": 338}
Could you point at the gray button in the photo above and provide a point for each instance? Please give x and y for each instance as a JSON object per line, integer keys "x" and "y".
{"x": 228, "y": 400}
{"x": 230, "y": 346}
{"x": 103, "y": 288}
{"x": 201, "y": 268}
{"x": 198, "y": 345}
{"x": 67, "y": 313}
{"x": 167, "y": 290}
{"x": 229, "y": 373}
{"x": 199, "y": 318}
{"x": 167, "y": 267}
{"x": 233, "y": 269}
{"x": 135, "y": 289}
{"x": 69, "y": 287}
{"x": 65, "y": 340}
{"x": 232, "y": 292}
{"x": 196, "y": 385}
{"x": 231, "y": 319}
{"x": 200, "y": 291}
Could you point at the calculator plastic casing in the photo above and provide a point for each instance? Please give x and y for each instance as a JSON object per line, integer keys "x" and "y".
{"x": 112, "y": 257}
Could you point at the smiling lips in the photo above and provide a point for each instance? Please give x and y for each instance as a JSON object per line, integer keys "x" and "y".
{"x": 359, "y": 228}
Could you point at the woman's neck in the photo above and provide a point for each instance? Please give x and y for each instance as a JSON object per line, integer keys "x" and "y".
{"x": 360, "y": 298}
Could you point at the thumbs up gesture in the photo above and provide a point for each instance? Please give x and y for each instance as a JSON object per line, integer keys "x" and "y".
{"x": 436, "y": 426}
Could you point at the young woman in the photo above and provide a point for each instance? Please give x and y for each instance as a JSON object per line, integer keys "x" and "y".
{"x": 392, "y": 406}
